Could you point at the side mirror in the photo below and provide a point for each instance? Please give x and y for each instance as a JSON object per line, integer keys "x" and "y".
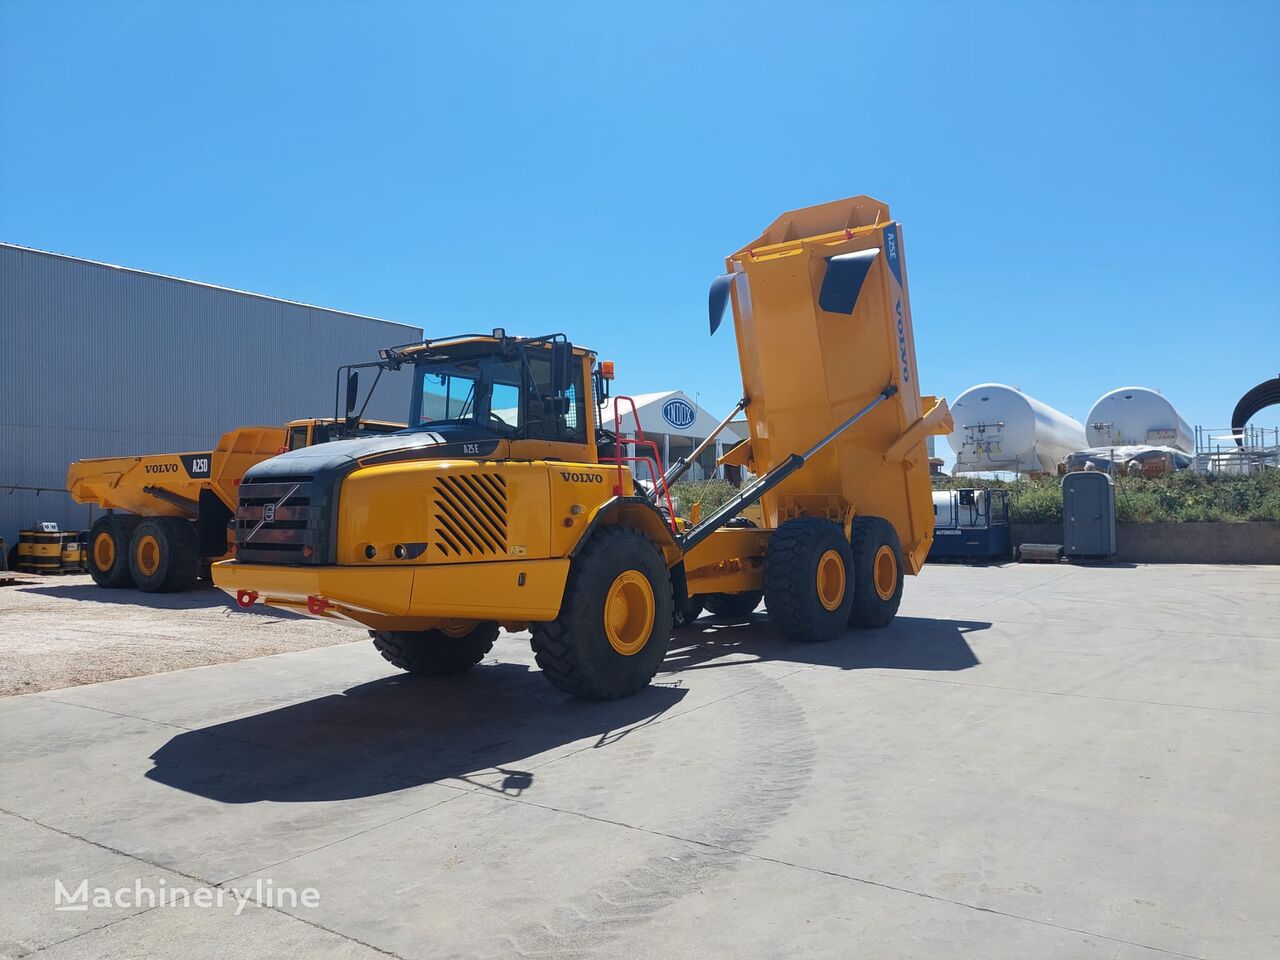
{"x": 353, "y": 391}
{"x": 561, "y": 367}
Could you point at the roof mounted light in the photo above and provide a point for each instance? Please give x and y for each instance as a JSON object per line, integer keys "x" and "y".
{"x": 499, "y": 333}
{"x": 606, "y": 369}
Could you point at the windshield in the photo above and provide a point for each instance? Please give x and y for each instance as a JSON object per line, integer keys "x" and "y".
{"x": 508, "y": 393}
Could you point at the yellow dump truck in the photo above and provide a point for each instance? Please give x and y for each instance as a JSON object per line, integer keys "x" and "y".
{"x": 178, "y": 507}
{"x": 507, "y": 503}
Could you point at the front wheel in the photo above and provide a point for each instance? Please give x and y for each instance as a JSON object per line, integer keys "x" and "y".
{"x": 615, "y": 619}
{"x": 685, "y": 613}
{"x": 436, "y": 653}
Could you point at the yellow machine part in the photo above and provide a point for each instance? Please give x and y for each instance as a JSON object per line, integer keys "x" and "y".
{"x": 806, "y": 370}
{"x": 420, "y": 542}
{"x": 130, "y": 483}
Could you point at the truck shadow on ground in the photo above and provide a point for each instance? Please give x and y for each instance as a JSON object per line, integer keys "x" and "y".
{"x": 483, "y": 727}
{"x": 203, "y": 596}
{"x": 908, "y": 643}
{"x": 399, "y": 732}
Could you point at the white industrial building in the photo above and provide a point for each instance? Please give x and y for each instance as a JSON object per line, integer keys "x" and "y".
{"x": 677, "y": 425}
{"x": 98, "y": 360}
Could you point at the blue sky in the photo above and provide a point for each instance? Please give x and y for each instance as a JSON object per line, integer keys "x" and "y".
{"x": 1089, "y": 192}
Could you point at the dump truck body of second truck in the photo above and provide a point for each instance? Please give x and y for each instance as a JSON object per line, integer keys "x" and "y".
{"x": 505, "y": 503}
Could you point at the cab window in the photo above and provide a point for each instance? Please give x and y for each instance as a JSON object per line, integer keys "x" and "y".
{"x": 571, "y": 426}
{"x": 504, "y": 403}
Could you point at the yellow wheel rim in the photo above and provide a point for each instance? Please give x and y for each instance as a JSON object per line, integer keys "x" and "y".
{"x": 886, "y": 573}
{"x": 456, "y": 628}
{"x": 148, "y": 555}
{"x": 629, "y": 610}
{"x": 831, "y": 579}
{"x": 104, "y": 551}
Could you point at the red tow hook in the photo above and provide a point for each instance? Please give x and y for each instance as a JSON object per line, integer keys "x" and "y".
{"x": 246, "y": 598}
{"x": 317, "y": 605}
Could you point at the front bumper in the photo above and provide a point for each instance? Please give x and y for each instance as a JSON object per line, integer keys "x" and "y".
{"x": 404, "y": 597}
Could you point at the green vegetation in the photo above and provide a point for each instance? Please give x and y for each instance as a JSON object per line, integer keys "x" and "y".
{"x": 710, "y": 493}
{"x": 1185, "y": 496}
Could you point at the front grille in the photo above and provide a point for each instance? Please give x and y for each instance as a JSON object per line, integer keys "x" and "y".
{"x": 278, "y": 518}
{"x": 469, "y": 512}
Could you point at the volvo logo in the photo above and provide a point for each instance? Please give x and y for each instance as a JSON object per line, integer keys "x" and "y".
{"x": 582, "y": 477}
{"x": 902, "y": 345}
{"x": 269, "y": 511}
{"x": 679, "y": 413}
{"x": 161, "y": 468}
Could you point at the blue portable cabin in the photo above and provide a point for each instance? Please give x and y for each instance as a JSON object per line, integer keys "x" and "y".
{"x": 971, "y": 524}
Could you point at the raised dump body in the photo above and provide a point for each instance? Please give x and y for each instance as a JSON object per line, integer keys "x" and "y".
{"x": 823, "y": 323}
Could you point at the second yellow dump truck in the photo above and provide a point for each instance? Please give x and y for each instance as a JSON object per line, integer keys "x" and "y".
{"x": 507, "y": 502}
{"x": 169, "y": 514}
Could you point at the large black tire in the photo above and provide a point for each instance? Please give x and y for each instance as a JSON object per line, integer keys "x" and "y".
{"x": 874, "y": 541}
{"x": 684, "y": 614}
{"x": 731, "y": 604}
{"x": 164, "y": 555}
{"x": 107, "y": 552}
{"x": 806, "y": 579}
{"x": 579, "y": 652}
{"x": 434, "y": 653}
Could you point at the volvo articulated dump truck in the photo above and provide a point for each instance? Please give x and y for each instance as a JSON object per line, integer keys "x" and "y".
{"x": 505, "y": 502}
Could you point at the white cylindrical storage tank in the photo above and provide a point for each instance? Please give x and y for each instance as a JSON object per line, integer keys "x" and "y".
{"x": 1000, "y": 428}
{"x": 1137, "y": 415}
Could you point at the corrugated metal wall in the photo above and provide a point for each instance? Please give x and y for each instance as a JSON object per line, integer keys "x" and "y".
{"x": 100, "y": 361}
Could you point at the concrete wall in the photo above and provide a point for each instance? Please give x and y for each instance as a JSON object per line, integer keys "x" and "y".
{"x": 1257, "y": 542}
{"x": 99, "y": 361}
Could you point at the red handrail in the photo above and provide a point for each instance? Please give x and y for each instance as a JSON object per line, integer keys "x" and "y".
{"x": 654, "y": 462}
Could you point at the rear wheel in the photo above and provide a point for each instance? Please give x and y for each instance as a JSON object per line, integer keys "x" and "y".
{"x": 108, "y": 551}
{"x": 732, "y": 604}
{"x": 615, "y": 619}
{"x": 877, "y": 572}
{"x": 437, "y": 653}
{"x": 164, "y": 555}
{"x": 806, "y": 579}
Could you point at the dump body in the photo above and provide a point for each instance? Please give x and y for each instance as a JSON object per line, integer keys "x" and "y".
{"x": 158, "y": 484}
{"x": 823, "y": 325}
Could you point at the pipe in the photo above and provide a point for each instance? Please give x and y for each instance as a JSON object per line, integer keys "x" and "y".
{"x": 681, "y": 466}
{"x": 764, "y": 484}
{"x": 182, "y": 503}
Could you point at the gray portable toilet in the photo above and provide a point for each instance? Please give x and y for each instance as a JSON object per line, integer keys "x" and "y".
{"x": 1088, "y": 514}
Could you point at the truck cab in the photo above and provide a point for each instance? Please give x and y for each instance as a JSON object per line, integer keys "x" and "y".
{"x": 306, "y": 433}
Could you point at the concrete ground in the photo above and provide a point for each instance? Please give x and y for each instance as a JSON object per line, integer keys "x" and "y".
{"x": 1033, "y": 761}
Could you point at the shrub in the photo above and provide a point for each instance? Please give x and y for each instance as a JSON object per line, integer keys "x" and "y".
{"x": 1185, "y": 496}
{"x": 710, "y": 493}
